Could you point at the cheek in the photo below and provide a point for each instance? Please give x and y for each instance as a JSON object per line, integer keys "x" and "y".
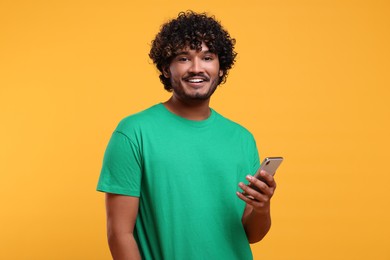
{"x": 215, "y": 70}
{"x": 218, "y": 73}
{"x": 177, "y": 70}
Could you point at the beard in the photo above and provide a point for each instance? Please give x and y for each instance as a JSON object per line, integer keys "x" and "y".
{"x": 185, "y": 95}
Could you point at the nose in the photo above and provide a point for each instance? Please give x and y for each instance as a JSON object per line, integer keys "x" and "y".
{"x": 196, "y": 66}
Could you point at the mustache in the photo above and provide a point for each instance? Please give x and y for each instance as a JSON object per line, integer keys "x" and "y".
{"x": 198, "y": 75}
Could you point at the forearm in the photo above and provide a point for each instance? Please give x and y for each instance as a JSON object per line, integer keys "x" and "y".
{"x": 123, "y": 246}
{"x": 257, "y": 224}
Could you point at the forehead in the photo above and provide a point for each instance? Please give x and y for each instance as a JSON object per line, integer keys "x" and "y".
{"x": 187, "y": 49}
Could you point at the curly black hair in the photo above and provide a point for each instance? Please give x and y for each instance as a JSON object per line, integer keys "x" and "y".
{"x": 191, "y": 29}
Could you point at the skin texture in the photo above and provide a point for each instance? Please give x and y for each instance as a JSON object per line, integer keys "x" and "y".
{"x": 256, "y": 218}
{"x": 191, "y": 29}
{"x": 189, "y": 100}
{"x": 121, "y": 215}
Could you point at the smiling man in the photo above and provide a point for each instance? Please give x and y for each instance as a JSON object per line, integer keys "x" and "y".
{"x": 194, "y": 74}
{"x": 173, "y": 173}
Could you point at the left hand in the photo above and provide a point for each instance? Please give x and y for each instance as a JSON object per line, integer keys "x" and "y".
{"x": 261, "y": 200}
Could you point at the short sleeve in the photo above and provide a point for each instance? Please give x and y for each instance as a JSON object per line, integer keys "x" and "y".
{"x": 122, "y": 168}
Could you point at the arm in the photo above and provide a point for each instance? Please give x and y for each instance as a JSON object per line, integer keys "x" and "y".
{"x": 256, "y": 218}
{"x": 121, "y": 215}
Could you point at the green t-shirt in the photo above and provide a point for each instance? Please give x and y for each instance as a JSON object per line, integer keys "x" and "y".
{"x": 185, "y": 174}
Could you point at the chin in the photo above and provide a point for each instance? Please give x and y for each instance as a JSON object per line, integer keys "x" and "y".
{"x": 196, "y": 94}
{"x": 200, "y": 96}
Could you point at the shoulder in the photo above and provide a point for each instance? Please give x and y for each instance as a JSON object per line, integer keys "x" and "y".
{"x": 233, "y": 127}
{"x": 133, "y": 123}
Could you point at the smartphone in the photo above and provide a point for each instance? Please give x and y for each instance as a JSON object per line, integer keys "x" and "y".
{"x": 270, "y": 165}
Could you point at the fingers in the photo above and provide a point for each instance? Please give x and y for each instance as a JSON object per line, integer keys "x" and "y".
{"x": 251, "y": 193}
{"x": 253, "y": 202}
{"x": 265, "y": 186}
{"x": 268, "y": 178}
{"x": 258, "y": 189}
{"x": 259, "y": 192}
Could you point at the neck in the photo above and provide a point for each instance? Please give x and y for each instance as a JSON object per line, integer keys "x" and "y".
{"x": 192, "y": 110}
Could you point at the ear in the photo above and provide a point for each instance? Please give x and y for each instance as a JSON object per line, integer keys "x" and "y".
{"x": 220, "y": 73}
{"x": 166, "y": 72}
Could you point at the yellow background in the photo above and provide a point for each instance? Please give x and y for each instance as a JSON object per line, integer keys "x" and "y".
{"x": 311, "y": 82}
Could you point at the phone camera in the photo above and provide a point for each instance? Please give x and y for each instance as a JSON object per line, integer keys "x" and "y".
{"x": 267, "y": 163}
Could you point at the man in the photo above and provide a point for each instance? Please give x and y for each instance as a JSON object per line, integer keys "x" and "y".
{"x": 171, "y": 172}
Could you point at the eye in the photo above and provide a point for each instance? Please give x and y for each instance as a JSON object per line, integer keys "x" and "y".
{"x": 182, "y": 58}
{"x": 208, "y": 58}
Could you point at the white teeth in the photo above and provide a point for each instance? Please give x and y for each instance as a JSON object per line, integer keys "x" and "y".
{"x": 195, "y": 80}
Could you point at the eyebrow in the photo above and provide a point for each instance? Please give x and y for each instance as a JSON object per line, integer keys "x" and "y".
{"x": 187, "y": 52}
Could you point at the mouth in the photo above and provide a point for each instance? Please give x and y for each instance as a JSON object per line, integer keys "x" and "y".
{"x": 196, "y": 80}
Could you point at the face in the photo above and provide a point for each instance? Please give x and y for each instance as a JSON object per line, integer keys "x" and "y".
{"x": 194, "y": 74}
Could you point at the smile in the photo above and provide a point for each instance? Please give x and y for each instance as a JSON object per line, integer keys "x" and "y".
{"x": 196, "y": 79}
